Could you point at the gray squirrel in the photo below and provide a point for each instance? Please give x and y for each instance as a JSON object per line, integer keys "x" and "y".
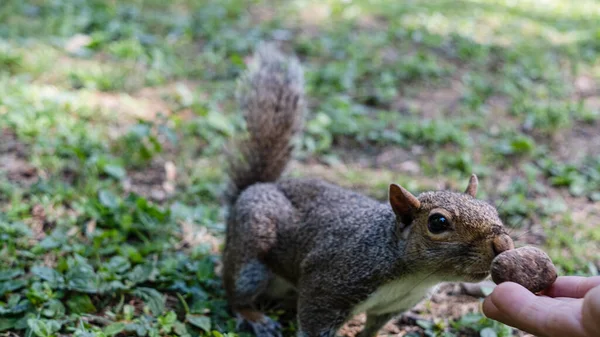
{"x": 340, "y": 252}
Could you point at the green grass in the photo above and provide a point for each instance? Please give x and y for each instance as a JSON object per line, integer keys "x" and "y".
{"x": 113, "y": 115}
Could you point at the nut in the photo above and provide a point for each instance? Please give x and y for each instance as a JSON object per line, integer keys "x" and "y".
{"x": 528, "y": 266}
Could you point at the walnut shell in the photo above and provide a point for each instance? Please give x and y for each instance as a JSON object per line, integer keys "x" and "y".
{"x": 528, "y": 266}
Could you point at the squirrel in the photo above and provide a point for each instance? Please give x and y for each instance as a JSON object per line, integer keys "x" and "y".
{"x": 340, "y": 252}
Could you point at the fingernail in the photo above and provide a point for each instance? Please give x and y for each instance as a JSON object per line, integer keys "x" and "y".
{"x": 481, "y": 308}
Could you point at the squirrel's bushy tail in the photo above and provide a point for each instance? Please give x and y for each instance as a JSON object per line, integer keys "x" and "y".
{"x": 271, "y": 97}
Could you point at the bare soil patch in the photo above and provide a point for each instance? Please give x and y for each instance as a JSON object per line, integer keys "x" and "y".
{"x": 13, "y": 161}
{"x": 578, "y": 143}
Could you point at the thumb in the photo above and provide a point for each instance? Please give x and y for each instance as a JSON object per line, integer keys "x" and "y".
{"x": 591, "y": 312}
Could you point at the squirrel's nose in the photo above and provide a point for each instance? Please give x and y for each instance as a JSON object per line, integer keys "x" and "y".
{"x": 502, "y": 243}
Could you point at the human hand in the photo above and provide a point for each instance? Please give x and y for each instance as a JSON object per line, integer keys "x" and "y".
{"x": 570, "y": 307}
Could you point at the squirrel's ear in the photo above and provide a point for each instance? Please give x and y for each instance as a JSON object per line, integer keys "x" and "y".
{"x": 472, "y": 188}
{"x": 403, "y": 202}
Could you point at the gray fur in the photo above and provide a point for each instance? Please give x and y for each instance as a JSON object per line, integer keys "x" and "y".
{"x": 271, "y": 97}
{"x": 335, "y": 246}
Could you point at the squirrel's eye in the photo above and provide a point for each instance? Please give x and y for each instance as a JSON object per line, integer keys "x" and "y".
{"x": 437, "y": 223}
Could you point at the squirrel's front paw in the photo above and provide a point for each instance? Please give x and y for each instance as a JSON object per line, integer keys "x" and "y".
{"x": 259, "y": 324}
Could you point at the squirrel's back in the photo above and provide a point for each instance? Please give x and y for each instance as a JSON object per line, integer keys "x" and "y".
{"x": 271, "y": 97}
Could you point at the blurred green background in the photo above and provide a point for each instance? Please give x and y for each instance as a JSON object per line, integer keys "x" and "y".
{"x": 113, "y": 115}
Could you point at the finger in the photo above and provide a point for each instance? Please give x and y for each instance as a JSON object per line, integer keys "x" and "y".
{"x": 566, "y": 299}
{"x": 572, "y": 286}
{"x": 509, "y": 299}
{"x": 490, "y": 311}
{"x": 540, "y": 315}
{"x": 591, "y": 311}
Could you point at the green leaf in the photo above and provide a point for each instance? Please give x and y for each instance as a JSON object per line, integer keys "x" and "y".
{"x": 237, "y": 60}
{"x": 48, "y": 274}
{"x": 12, "y": 285}
{"x": 470, "y": 319}
{"x": 126, "y": 222}
{"x": 140, "y": 273}
{"x": 114, "y": 328}
{"x": 21, "y": 323}
{"x": 205, "y": 270}
{"x": 201, "y": 322}
{"x": 427, "y": 325}
{"x": 166, "y": 321}
{"x": 522, "y": 145}
{"x": 81, "y": 304}
{"x": 118, "y": 264}
{"x": 108, "y": 199}
{"x": 81, "y": 276}
{"x": 139, "y": 328}
{"x": 115, "y": 171}
{"x": 131, "y": 252}
{"x": 84, "y": 333}
{"x": 42, "y": 327}
{"x": 7, "y": 323}
{"x": 10, "y": 274}
{"x": 50, "y": 242}
{"x": 140, "y": 130}
{"x": 112, "y": 287}
{"x": 54, "y": 309}
{"x": 128, "y": 312}
{"x": 218, "y": 121}
{"x": 488, "y": 332}
{"x": 15, "y": 305}
{"x": 180, "y": 329}
{"x": 153, "y": 299}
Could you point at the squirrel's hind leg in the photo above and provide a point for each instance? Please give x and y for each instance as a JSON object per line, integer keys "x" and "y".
{"x": 252, "y": 281}
{"x": 258, "y": 323}
{"x": 251, "y": 235}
